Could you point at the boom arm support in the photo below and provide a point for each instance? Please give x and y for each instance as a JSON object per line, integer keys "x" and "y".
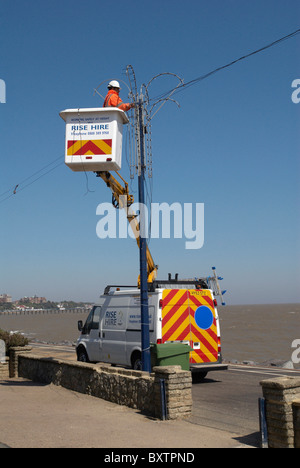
{"x": 122, "y": 199}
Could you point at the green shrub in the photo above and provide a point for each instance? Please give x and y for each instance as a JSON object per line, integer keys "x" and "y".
{"x": 12, "y": 340}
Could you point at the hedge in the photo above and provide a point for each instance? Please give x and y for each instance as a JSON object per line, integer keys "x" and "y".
{"x": 12, "y": 339}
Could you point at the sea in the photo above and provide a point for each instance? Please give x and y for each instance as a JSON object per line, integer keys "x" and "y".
{"x": 258, "y": 334}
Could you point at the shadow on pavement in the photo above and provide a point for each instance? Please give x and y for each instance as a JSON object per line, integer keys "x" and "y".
{"x": 21, "y": 383}
{"x": 252, "y": 440}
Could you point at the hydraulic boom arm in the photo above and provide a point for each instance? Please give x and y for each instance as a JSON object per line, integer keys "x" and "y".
{"x": 122, "y": 199}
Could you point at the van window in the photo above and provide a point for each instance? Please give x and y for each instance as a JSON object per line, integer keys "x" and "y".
{"x": 92, "y": 322}
{"x": 96, "y": 318}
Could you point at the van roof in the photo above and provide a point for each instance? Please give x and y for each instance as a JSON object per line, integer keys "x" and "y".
{"x": 170, "y": 283}
{"x": 135, "y": 291}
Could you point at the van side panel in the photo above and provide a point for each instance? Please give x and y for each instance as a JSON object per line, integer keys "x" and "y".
{"x": 120, "y": 326}
{"x": 189, "y": 315}
{"x": 113, "y": 330}
{"x": 133, "y": 330}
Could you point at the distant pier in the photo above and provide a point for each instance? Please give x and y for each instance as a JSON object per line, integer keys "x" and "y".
{"x": 75, "y": 310}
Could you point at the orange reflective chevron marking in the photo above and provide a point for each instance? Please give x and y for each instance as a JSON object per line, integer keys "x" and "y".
{"x": 182, "y": 321}
{"x": 89, "y": 147}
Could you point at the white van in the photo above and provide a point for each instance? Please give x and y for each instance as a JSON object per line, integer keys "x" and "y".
{"x": 112, "y": 331}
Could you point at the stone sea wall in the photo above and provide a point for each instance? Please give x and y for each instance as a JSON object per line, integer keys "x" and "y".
{"x": 135, "y": 389}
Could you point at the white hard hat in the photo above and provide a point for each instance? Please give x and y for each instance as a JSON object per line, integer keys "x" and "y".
{"x": 114, "y": 84}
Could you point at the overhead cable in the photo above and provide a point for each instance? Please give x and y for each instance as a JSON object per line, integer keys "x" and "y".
{"x": 207, "y": 75}
{"x": 19, "y": 187}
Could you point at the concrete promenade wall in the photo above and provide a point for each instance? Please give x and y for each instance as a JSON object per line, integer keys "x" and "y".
{"x": 135, "y": 389}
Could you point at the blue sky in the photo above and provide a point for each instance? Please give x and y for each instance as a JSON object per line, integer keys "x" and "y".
{"x": 233, "y": 144}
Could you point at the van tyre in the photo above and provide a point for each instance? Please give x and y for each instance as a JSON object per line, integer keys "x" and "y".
{"x": 198, "y": 376}
{"x": 82, "y": 355}
{"x": 136, "y": 361}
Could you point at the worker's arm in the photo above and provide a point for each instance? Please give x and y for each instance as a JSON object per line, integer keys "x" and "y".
{"x": 125, "y": 107}
{"x": 116, "y": 101}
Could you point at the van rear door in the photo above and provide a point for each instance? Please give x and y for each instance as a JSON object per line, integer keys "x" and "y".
{"x": 189, "y": 316}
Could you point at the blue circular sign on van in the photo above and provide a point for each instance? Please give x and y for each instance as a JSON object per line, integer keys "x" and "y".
{"x": 204, "y": 317}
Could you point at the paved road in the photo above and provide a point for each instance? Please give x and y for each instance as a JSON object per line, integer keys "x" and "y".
{"x": 55, "y": 351}
{"x": 228, "y": 400}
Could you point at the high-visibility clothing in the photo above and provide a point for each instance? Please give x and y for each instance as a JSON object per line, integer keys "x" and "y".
{"x": 113, "y": 100}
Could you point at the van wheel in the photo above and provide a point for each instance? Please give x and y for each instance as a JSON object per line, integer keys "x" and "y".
{"x": 136, "y": 361}
{"x": 198, "y": 377}
{"x": 82, "y": 355}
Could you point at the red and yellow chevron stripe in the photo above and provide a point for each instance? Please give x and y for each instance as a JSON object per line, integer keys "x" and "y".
{"x": 179, "y": 323}
{"x": 89, "y": 147}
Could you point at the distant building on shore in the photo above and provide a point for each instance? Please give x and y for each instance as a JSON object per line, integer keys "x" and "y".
{"x": 5, "y": 299}
{"x": 32, "y": 300}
